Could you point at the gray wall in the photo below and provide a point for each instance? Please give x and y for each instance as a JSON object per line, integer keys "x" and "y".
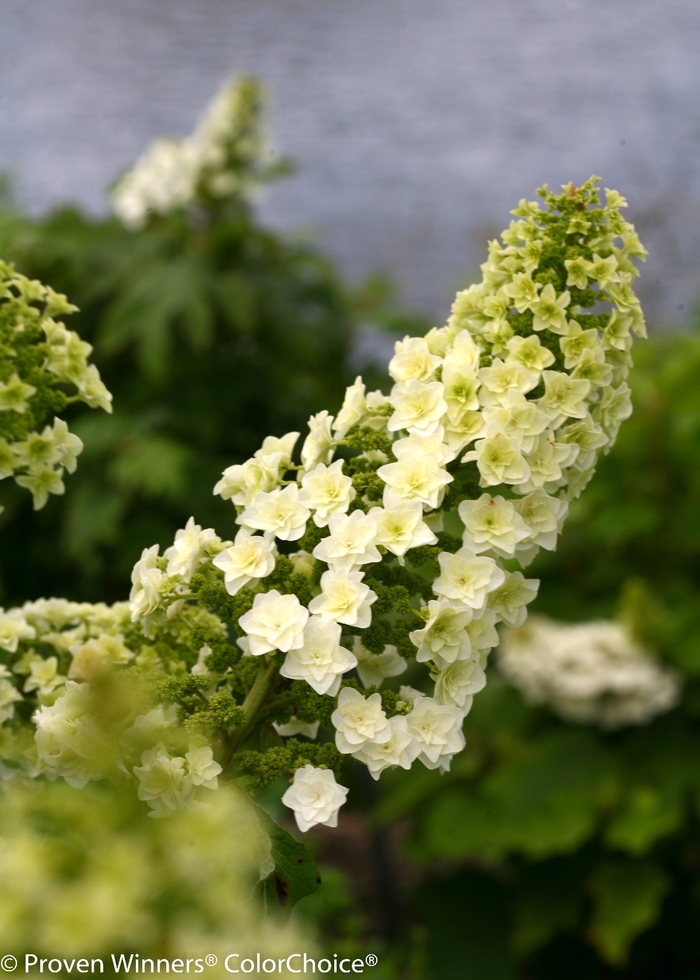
{"x": 417, "y": 123}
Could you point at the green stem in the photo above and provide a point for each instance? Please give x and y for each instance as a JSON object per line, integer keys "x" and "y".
{"x": 253, "y": 706}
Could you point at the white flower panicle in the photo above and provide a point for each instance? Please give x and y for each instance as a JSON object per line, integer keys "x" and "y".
{"x": 591, "y": 673}
{"x": 392, "y": 541}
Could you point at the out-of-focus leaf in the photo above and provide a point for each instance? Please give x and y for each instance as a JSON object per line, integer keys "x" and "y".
{"x": 627, "y": 899}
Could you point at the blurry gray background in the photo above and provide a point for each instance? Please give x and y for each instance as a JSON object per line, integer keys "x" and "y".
{"x": 417, "y": 124}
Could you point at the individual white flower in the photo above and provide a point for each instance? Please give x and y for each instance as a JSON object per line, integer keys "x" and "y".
{"x": 191, "y": 547}
{"x": 350, "y": 543}
{"x": 41, "y": 482}
{"x": 444, "y": 638}
{"x": 471, "y": 426}
{"x": 43, "y": 676}
{"x": 344, "y": 599}
{"x": 276, "y": 622}
{"x": 13, "y": 628}
{"x": 15, "y": 394}
{"x": 201, "y": 768}
{"x": 326, "y": 491}
{"x": 250, "y": 558}
{"x": 614, "y": 407}
{"x": 162, "y": 782}
{"x": 564, "y": 397}
{"x": 509, "y": 600}
{"x": 358, "y": 719}
{"x": 457, "y": 683}
{"x": 418, "y": 407}
{"x": 68, "y": 740}
{"x": 315, "y": 797}
{"x": 318, "y": 445}
{"x": 498, "y": 379}
{"x": 544, "y": 516}
{"x": 466, "y": 578}
{"x": 461, "y": 351}
{"x": 591, "y": 673}
{"x": 353, "y": 410}
{"x": 415, "y": 477}
{"x": 151, "y": 726}
{"x": 498, "y": 458}
{"x": 547, "y": 463}
{"x": 98, "y": 654}
{"x": 437, "y": 728}
{"x": 320, "y": 661}
{"x": 492, "y": 523}
{"x": 8, "y": 695}
{"x": 240, "y": 483}
{"x": 529, "y": 352}
{"x": 396, "y": 748}
{"x": 413, "y": 360}
{"x": 279, "y": 513}
{"x": 373, "y": 668}
{"x": 461, "y": 385}
{"x": 68, "y": 444}
{"x": 148, "y": 585}
{"x": 550, "y": 310}
{"x": 589, "y": 438}
{"x": 400, "y": 527}
{"x": 296, "y": 727}
{"x": 482, "y": 631}
{"x": 276, "y": 451}
{"x": 519, "y": 418}
{"x": 418, "y": 445}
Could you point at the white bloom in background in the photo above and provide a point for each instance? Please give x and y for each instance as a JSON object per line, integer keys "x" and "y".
{"x": 418, "y": 407}
{"x": 92, "y": 658}
{"x": 509, "y": 601}
{"x": 326, "y": 491}
{"x": 396, "y": 748}
{"x": 276, "y": 622}
{"x": 250, "y": 558}
{"x": 201, "y": 768}
{"x": 591, "y": 673}
{"x": 279, "y": 512}
{"x": 68, "y": 738}
{"x": 344, "y": 599}
{"x": 444, "y": 638}
{"x": 498, "y": 458}
{"x": 614, "y": 407}
{"x": 319, "y": 444}
{"x": 350, "y": 543}
{"x": 416, "y": 476}
{"x": 353, "y": 410}
{"x": 437, "y": 728}
{"x": 190, "y": 548}
{"x": 148, "y": 584}
{"x": 8, "y": 695}
{"x": 43, "y": 676}
{"x": 492, "y": 523}
{"x": 163, "y": 179}
{"x": 13, "y": 628}
{"x": 401, "y": 527}
{"x": 457, "y": 683}
{"x": 358, "y": 719}
{"x": 413, "y": 360}
{"x": 162, "y": 782}
{"x": 315, "y": 797}
{"x": 296, "y": 727}
{"x": 320, "y": 661}
{"x": 373, "y": 668}
{"x": 466, "y": 578}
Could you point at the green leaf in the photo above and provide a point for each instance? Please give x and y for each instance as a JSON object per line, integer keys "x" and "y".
{"x": 295, "y": 874}
{"x": 627, "y": 900}
{"x": 649, "y": 812}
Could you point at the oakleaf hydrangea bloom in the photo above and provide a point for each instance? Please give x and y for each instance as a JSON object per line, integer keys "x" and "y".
{"x": 392, "y": 541}
{"x": 591, "y": 673}
{"x": 43, "y": 369}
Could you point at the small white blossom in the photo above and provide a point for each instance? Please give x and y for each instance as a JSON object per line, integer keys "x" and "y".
{"x": 416, "y": 476}
{"x": 13, "y": 628}
{"x": 492, "y": 523}
{"x": 400, "y": 527}
{"x": 437, "y": 728}
{"x": 320, "y": 661}
{"x": 350, "y": 543}
{"x": 373, "y": 668}
{"x": 318, "y": 445}
{"x": 250, "y": 558}
{"x": 326, "y": 491}
{"x": 190, "y": 548}
{"x": 148, "y": 585}
{"x": 510, "y": 599}
{"x": 466, "y": 578}
{"x": 344, "y": 599}
{"x": 162, "y": 782}
{"x": 353, "y": 410}
{"x": 418, "y": 407}
{"x": 201, "y": 768}
{"x": 315, "y": 797}
{"x": 444, "y": 637}
{"x": 296, "y": 727}
{"x": 279, "y": 513}
{"x": 457, "y": 683}
{"x": 276, "y": 622}
{"x": 413, "y": 360}
{"x": 358, "y": 719}
{"x": 396, "y": 748}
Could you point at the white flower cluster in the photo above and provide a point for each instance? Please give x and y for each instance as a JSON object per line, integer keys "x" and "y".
{"x": 221, "y": 159}
{"x": 592, "y": 673}
{"x": 39, "y": 361}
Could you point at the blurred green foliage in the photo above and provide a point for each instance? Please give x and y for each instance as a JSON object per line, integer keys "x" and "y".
{"x": 564, "y": 851}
